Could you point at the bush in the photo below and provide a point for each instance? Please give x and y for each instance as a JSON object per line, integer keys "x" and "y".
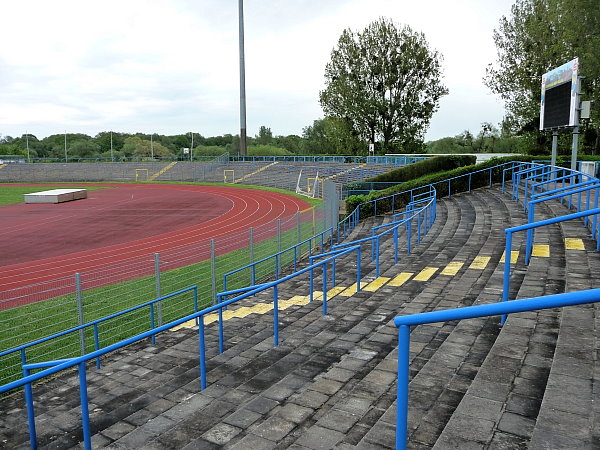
{"x": 459, "y": 185}
{"x": 267, "y": 150}
{"x": 425, "y": 167}
{"x": 209, "y": 150}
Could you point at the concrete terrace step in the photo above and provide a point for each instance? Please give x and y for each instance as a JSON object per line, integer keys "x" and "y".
{"x": 506, "y": 359}
{"x": 332, "y": 380}
{"x": 503, "y": 405}
{"x": 446, "y": 356}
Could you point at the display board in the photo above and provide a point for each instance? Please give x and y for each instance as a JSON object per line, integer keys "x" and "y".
{"x": 560, "y": 96}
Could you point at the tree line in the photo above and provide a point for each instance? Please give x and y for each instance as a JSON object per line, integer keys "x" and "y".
{"x": 324, "y": 137}
{"x": 118, "y": 145}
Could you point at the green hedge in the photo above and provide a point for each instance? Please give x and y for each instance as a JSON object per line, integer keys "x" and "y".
{"x": 425, "y": 167}
{"x": 459, "y": 185}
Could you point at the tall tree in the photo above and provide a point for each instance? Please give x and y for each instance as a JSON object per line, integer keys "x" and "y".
{"x": 265, "y": 136}
{"x": 385, "y": 82}
{"x": 331, "y": 136}
{"x": 538, "y": 36}
{"x": 135, "y": 146}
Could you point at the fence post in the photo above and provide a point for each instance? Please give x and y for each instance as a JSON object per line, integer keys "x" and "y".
{"x": 157, "y": 277}
{"x": 298, "y": 222}
{"x": 80, "y": 317}
{"x": 278, "y": 235}
{"x": 213, "y": 271}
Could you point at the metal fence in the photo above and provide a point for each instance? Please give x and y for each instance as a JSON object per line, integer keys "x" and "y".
{"x": 42, "y": 308}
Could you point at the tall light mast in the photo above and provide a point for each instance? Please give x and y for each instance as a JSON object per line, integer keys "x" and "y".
{"x": 242, "y": 83}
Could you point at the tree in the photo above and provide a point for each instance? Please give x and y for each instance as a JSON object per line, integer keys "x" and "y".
{"x": 135, "y": 146}
{"x": 385, "y": 82}
{"x": 538, "y": 36}
{"x": 103, "y": 139}
{"x": 84, "y": 149}
{"x": 331, "y": 136}
{"x": 292, "y": 143}
{"x": 265, "y": 136}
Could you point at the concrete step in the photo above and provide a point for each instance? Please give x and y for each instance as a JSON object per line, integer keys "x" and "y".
{"x": 332, "y": 380}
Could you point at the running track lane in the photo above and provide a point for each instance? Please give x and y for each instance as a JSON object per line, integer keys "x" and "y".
{"x": 49, "y": 277}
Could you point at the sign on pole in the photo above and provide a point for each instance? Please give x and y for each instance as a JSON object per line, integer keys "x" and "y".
{"x": 559, "y": 97}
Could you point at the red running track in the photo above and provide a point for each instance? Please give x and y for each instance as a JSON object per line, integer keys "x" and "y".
{"x": 40, "y": 243}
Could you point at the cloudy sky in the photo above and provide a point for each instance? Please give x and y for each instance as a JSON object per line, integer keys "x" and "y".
{"x": 172, "y": 66}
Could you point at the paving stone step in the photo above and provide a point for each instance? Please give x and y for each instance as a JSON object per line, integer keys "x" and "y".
{"x": 332, "y": 380}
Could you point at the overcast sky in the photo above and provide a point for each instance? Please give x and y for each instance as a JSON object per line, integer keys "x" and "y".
{"x": 172, "y": 66}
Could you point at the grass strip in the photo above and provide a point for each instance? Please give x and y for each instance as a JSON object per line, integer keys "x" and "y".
{"x": 35, "y": 321}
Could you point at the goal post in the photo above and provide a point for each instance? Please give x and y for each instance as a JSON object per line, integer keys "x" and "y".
{"x": 229, "y": 174}
{"x": 312, "y": 185}
{"x": 141, "y": 172}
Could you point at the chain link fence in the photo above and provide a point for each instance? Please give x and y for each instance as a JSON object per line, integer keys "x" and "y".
{"x": 45, "y": 308}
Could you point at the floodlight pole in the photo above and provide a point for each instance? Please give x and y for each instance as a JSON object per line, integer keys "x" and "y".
{"x": 151, "y": 146}
{"x": 192, "y": 147}
{"x": 112, "y": 158}
{"x": 242, "y": 82}
{"x": 66, "y": 160}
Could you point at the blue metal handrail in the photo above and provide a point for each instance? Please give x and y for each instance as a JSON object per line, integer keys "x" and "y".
{"x": 509, "y": 232}
{"x": 560, "y": 194}
{"x": 57, "y": 366}
{"x": 393, "y": 227}
{"x": 277, "y": 256}
{"x": 405, "y": 322}
{"x": 95, "y": 323}
{"x": 253, "y": 290}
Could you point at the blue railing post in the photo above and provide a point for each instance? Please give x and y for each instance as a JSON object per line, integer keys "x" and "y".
{"x": 85, "y": 413}
{"x": 221, "y": 325}
{"x": 530, "y": 232}
{"x": 325, "y": 288}
{"x": 311, "y": 282}
{"x": 295, "y": 258}
{"x": 373, "y": 248}
{"x": 358, "y": 269}
{"x": 202, "y": 352}
{"x": 377, "y": 257}
{"x": 29, "y": 404}
{"x": 408, "y": 233}
{"x": 395, "y": 245}
{"x": 506, "y": 282}
{"x": 275, "y": 317}
{"x": 403, "y": 379}
{"x": 333, "y": 273}
{"x": 595, "y": 220}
